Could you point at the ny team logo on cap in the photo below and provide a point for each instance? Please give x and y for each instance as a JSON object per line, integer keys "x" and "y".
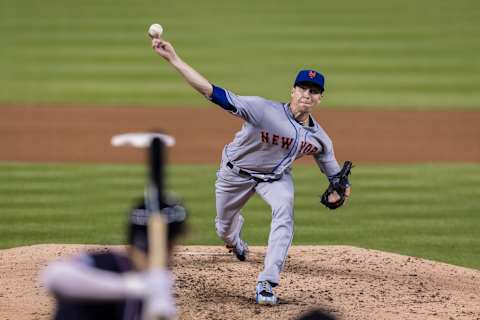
{"x": 310, "y": 76}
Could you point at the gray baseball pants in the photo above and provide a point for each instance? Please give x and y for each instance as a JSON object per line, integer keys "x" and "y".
{"x": 232, "y": 192}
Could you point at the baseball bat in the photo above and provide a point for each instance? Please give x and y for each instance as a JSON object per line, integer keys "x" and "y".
{"x": 157, "y": 225}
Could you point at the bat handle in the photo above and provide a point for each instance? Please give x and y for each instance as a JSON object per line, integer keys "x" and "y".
{"x": 158, "y": 238}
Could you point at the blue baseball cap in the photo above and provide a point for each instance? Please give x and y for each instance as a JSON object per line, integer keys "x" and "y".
{"x": 310, "y": 76}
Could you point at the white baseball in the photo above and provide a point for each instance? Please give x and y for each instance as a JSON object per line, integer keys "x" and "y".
{"x": 155, "y": 30}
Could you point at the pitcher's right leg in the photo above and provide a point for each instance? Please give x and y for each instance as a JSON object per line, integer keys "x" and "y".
{"x": 232, "y": 192}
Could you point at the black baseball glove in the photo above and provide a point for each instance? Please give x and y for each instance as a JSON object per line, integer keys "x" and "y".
{"x": 338, "y": 183}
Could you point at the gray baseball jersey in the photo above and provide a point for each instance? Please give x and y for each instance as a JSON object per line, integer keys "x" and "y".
{"x": 271, "y": 139}
{"x": 259, "y": 160}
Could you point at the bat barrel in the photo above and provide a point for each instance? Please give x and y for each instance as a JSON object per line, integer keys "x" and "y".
{"x": 157, "y": 174}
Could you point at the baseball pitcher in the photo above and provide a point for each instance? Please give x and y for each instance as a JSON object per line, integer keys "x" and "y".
{"x": 259, "y": 160}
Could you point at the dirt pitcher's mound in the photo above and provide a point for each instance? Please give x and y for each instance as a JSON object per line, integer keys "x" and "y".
{"x": 350, "y": 283}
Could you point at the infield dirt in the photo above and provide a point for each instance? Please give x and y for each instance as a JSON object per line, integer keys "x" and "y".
{"x": 350, "y": 283}
{"x": 82, "y": 134}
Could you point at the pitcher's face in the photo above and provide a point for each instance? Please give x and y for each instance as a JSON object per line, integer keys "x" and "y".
{"x": 304, "y": 97}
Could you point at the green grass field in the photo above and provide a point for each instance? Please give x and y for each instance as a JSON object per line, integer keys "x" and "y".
{"x": 431, "y": 211}
{"x": 375, "y": 54}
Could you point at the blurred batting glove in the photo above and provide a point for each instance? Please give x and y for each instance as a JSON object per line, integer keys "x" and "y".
{"x": 159, "y": 301}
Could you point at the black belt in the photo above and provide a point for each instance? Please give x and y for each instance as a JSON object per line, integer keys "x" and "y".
{"x": 245, "y": 173}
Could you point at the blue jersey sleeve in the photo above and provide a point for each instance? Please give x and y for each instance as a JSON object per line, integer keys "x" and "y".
{"x": 219, "y": 97}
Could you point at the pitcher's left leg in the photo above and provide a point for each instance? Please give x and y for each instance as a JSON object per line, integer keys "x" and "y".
{"x": 280, "y": 196}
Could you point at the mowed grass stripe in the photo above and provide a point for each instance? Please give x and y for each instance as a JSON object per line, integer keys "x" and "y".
{"x": 421, "y": 210}
{"x": 384, "y": 41}
{"x": 424, "y": 67}
{"x": 426, "y": 77}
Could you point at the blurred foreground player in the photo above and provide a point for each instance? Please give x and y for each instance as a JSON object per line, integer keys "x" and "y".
{"x": 114, "y": 285}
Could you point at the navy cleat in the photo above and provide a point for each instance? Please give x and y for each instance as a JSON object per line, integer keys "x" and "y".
{"x": 264, "y": 294}
{"x": 240, "y": 250}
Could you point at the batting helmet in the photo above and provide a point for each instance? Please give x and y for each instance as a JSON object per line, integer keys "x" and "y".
{"x": 138, "y": 222}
